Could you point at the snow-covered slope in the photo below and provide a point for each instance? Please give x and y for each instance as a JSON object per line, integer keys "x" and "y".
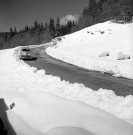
{"x": 43, "y": 104}
{"x": 83, "y": 48}
{"x": 36, "y": 111}
{"x": 43, "y": 111}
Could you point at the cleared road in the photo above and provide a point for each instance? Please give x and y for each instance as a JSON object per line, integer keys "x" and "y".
{"x": 71, "y": 73}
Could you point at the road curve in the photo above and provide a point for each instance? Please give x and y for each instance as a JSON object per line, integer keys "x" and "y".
{"x": 71, "y": 73}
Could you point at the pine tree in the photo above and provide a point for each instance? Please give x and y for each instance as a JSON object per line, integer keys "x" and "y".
{"x": 85, "y": 12}
{"x": 46, "y": 26}
{"x": 41, "y": 26}
{"x": 26, "y": 28}
{"x": 15, "y": 30}
{"x": 11, "y": 33}
{"x": 92, "y": 5}
{"x": 69, "y": 26}
{"x": 58, "y": 23}
{"x": 52, "y": 27}
{"x": 6, "y": 36}
{"x": 57, "y": 29}
{"x": 11, "y": 30}
{"x": 126, "y": 10}
{"x": 35, "y": 24}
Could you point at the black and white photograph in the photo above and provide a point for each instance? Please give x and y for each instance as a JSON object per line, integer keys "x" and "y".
{"x": 66, "y": 67}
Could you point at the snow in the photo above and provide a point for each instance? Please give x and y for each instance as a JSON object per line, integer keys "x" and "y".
{"x": 46, "y": 105}
{"x": 86, "y": 46}
{"x": 36, "y": 112}
{"x": 43, "y": 111}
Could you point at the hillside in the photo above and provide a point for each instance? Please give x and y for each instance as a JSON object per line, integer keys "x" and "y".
{"x": 86, "y": 47}
{"x": 97, "y": 11}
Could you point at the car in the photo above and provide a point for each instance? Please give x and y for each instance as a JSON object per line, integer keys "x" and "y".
{"x": 26, "y": 54}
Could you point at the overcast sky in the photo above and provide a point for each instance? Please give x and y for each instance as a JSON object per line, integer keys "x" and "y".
{"x": 23, "y": 12}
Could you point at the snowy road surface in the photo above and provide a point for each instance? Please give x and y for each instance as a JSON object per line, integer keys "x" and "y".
{"x": 71, "y": 73}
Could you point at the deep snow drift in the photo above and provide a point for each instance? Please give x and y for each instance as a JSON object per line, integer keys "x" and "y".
{"x": 84, "y": 47}
{"x": 46, "y": 105}
{"x": 36, "y": 112}
{"x": 43, "y": 111}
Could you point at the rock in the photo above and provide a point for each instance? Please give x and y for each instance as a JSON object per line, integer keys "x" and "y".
{"x": 12, "y": 105}
{"x": 102, "y": 32}
{"x": 122, "y": 56}
{"x": 104, "y": 54}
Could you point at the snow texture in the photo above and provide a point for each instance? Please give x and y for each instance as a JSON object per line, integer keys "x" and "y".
{"x": 23, "y": 79}
{"x": 42, "y": 104}
{"x": 43, "y": 112}
{"x": 88, "y": 44}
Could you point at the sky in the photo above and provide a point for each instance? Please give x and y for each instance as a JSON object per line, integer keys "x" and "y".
{"x": 18, "y": 13}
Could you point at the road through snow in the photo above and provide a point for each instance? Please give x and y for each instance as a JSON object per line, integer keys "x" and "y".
{"x": 71, "y": 73}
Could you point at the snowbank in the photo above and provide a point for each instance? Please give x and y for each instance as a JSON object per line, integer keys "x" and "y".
{"x": 23, "y": 79}
{"x": 83, "y": 48}
{"x": 36, "y": 111}
{"x": 43, "y": 111}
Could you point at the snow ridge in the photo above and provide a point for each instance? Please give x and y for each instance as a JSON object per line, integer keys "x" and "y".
{"x": 28, "y": 79}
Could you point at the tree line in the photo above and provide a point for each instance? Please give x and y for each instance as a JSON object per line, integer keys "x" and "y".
{"x": 36, "y": 34}
{"x": 96, "y": 11}
{"x": 99, "y": 11}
